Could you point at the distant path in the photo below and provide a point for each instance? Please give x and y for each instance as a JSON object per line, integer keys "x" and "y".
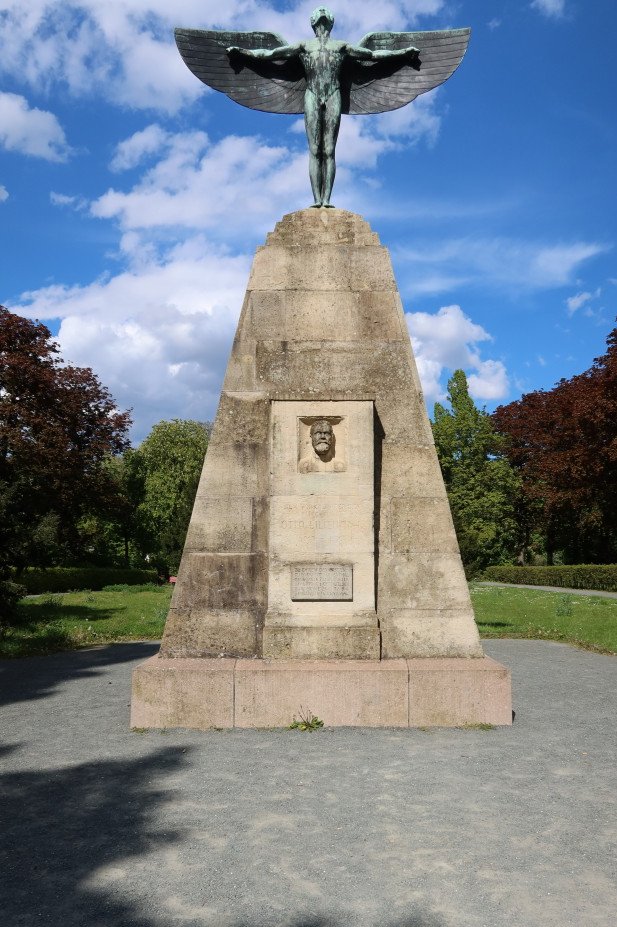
{"x": 602, "y": 595}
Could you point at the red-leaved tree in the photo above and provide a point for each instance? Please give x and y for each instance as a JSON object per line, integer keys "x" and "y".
{"x": 58, "y": 426}
{"x": 564, "y": 444}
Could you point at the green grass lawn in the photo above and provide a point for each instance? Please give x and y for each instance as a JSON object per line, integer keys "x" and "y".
{"x": 66, "y": 621}
{"x": 81, "y": 619}
{"x": 587, "y": 621}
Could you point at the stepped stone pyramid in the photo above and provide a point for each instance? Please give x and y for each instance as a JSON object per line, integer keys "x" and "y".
{"x": 322, "y": 331}
{"x": 321, "y": 529}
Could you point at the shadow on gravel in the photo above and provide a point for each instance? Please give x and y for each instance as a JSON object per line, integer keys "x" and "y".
{"x": 74, "y": 841}
{"x": 38, "y": 677}
{"x": 62, "y": 825}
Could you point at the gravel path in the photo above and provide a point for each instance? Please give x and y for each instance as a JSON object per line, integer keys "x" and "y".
{"x": 446, "y": 828}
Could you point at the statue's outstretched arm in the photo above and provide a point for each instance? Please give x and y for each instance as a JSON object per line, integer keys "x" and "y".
{"x": 366, "y": 54}
{"x": 269, "y": 54}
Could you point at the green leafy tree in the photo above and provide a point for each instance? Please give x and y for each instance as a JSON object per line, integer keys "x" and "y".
{"x": 163, "y": 473}
{"x": 482, "y": 487}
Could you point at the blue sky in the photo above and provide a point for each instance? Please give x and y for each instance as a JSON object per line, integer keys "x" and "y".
{"x": 132, "y": 197}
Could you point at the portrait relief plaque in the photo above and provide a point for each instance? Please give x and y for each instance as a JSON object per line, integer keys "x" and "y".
{"x": 321, "y": 444}
{"x": 322, "y": 582}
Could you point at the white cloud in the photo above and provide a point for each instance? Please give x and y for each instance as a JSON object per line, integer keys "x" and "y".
{"x": 132, "y": 151}
{"x": 490, "y": 382}
{"x": 126, "y": 52}
{"x": 448, "y": 340}
{"x": 79, "y": 203}
{"x": 550, "y": 8}
{"x": 574, "y": 303}
{"x": 497, "y": 262}
{"x": 4, "y": 194}
{"x": 30, "y": 131}
{"x": 158, "y": 335}
{"x": 197, "y": 185}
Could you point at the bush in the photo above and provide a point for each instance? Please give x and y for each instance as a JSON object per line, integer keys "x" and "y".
{"x": 581, "y": 576}
{"x": 10, "y": 594}
{"x": 65, "y": 579}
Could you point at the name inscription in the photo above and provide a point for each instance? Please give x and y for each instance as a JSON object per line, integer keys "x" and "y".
{"x": 322, "y": 582}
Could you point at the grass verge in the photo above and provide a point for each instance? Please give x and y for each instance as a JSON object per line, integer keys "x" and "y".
{"x": 585, "y": 621}
{"x": 70, "y": 620}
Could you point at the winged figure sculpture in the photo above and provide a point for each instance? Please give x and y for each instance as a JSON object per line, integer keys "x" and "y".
{"x": 322, "y": 78}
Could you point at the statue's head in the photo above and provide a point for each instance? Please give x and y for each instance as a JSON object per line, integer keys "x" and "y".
{"x": 322, "y": 437}
{"x": 322, "y": 15}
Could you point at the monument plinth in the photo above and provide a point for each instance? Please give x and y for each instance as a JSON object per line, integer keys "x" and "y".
{"x": 321, "y": 568}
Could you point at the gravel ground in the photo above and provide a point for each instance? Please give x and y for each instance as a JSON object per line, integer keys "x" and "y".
{"x": 441, "y": 828}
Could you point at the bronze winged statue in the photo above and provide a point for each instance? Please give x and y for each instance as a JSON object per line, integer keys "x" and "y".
{"x": 322, "y": 78}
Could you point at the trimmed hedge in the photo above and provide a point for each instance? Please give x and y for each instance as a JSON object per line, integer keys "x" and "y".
{"x": 66, "y": 579}
{"x": 581, "y": 576}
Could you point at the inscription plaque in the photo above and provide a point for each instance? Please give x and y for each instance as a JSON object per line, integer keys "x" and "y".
{"x": 322, "y": 582}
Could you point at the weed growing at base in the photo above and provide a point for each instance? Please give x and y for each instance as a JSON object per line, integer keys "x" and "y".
{"x": 307, "y": 722}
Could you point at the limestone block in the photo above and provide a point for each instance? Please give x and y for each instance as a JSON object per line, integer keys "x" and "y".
{"x": 268, "y": 314}
{"x": 304, "y": 524}
{"x": 335, "y": 370}
{"x": 242, "y": 417}
{"x": 338, "y": 612}
{"x": 412, "y": 427}
{"x": 378, "y": 317}
{"x": 321, "y": 315}
{"x": 199, "y": 632}
{"x": 411, "y": 470}
{"x": 183, "y": 693}
{"x": 430, "y": 633}
{"x": 319, "y": 643}
{"x": 236, "y": 469}
{"x": 424, "y": 581}
{"x": 452, "y": 693}
{"x": 311, "y": 226}
{"x": 241, "y": 373}
{"x": 326, "y": 616}
{"x": 313, "y": 268}
{"x": 341, "y": 694}
{"x": 221, "y": 523}
{"x": 422, "y": 525}
{"x": 371, "y": 269}
{"x": 221, "y": 580}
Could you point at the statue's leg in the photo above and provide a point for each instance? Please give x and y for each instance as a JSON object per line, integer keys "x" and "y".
{"x": 312, "y": 122}
{"x": 332, "y": 124}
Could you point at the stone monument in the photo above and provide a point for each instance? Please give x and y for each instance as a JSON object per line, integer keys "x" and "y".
{"x": 321, "y": 568}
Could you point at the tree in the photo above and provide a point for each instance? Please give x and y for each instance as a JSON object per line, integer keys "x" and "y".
{"x": 563, "y": 443}
{"x": 165, "y": 472}
{"x": 58, "y": 426}
{"x": 482, "y": 487}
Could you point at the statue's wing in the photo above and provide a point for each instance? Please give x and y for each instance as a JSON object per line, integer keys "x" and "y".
{"x": 270, "y": 86}
{"x": 375, "y": 87}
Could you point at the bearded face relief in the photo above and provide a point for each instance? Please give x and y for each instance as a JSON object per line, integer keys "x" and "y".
{"x": 320, "y": 449}
{"x": 322, "y": 439}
